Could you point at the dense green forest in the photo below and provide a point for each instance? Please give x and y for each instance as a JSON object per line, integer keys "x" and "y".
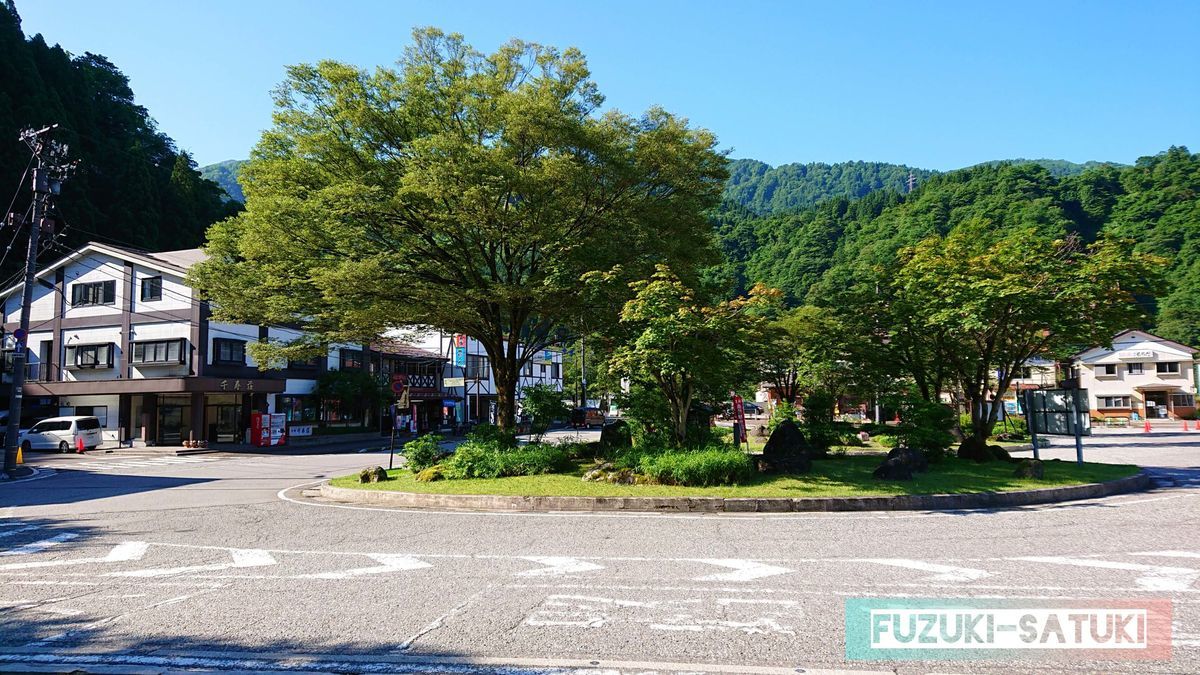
{"x": 133, "y": 184}
{"x": 815, "y": 254}
{"x": 764, "y": 189}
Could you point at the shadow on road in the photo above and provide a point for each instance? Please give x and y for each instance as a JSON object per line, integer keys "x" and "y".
{"x": 67, "y": 487}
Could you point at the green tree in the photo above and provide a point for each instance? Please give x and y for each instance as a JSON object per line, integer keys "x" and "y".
{"x": 463, "y": 191}
{"x": 1001, "y": 297}
{"x": 544, "y": 404}
{"x": 688, "y": 349}
{"x": 806, "y": 348}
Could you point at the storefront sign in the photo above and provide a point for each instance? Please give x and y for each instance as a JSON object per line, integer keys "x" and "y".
{"x": 1136, "y": 354}
{"x": 236, "y": 385}
{"x": 300, "y": 430}
{"x": 454, "y": 382}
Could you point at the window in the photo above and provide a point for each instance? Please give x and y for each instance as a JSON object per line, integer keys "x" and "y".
{"x": 1171, "y": 368}
{"x": 297, "y": 408}
{"x": 541, "y": 370}
{"x": 158, "y": 352}
{"x": 527, "y": 371}
{"x": 1135, "y": 369}
{"x": 1112, "y": 402}
{"x": 1183, "y": 400}
{"x": 351, "y": 358}
{"x": 100, "y": 412}
{"x": 1026, "y": 372}
{"x": 477, "y": 367}
{"x": 314, "y": 362}
{"x": 55, "y": 425}
{"x": 93, "y": 293}
{"x": 1109, "y": 369}
{"x": 90, "y": 356}
{"x": 229, "y": 352}
{"x": 555, "y": 371}
{"x": 151, "y": 289}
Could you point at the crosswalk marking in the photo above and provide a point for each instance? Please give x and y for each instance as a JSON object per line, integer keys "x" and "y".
{"x": 1156, "y": 577}
{"x": 942, "y": 572}
{"x": 134, "y": 463}
{"x": 242, "y": 557}
{"x": 389, "y": 563}
{"x": 743, "y": 570}
{"x": 39, "y": 546}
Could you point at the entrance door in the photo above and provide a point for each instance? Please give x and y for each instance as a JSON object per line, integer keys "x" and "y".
{"x": 225, "y": 419}
{"x": 1156, "y": 404}
{"x": 170, "y": 425}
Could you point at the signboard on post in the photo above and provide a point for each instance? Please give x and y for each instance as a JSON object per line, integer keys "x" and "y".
{"x": 449, "y": 382}
{"x": 739, "y": 416}
{"x": 1058, "y": 412}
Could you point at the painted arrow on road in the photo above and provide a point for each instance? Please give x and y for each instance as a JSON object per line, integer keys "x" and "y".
{"x": 242, "y": 557}
{"x": 388, "y": 563}
{"x": 558, "y": 566}
{"x": 743, "y": 570}
{"x": 1155, "y": 577}
{"x": 124, "y": 552}
{"x": 941, "y": 572}
{"x": 39, "y": 546}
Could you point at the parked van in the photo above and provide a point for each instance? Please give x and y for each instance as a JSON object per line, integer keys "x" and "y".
{"x": 63, "y": 434}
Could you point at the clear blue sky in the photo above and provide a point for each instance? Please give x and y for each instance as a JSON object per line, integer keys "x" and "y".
{"x": 933, "y": 84}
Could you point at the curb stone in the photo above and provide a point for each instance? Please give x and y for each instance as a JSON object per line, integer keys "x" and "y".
{"x": 937, "y": 502}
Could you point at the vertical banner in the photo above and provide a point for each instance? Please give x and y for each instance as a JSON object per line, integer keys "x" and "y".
{"x": 460, "y": 351}
{"x": 739, "y": 414}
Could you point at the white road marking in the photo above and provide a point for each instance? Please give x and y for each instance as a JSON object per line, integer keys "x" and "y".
{"x": 123, "y": 552}
{"x": 558, "y": 566}
{"x": 1170, "y": 554}
{"x": 1156, "y": 578}
{"x": 942, "y": 572}
{"x": 743, "y": 570}
{"x": 242, "y": 557}
{"x": 39, "y": 546}
{"x": 389, "y": 563}
{"x": 19, "y": 530}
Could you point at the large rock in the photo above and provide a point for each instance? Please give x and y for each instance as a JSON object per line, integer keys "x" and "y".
{"x": 894, "y": 468}
{"x": 1000, "y": 453}
{"x": 914, "y": 458}
{"x": 616, "y": 435}
{"x": 1030, "y": 468}
{"x": 975, "y": 450}
{"x": 786, "y": 451}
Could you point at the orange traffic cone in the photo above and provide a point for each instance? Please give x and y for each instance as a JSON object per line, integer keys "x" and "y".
{"x": 1185, "y": 428}
{"x": 20, "y": 456}
{"x": 1146, "y": 428}
{"x": 79, "y": 444}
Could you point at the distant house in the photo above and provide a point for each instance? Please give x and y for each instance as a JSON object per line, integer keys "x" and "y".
{"x": 1140, "y": 376}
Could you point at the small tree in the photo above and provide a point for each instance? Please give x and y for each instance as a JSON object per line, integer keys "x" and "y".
{"x": 543, "y": 404}
{"x": 689, "y": 349}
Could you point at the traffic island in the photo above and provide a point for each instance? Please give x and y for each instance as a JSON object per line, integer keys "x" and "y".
{"x": 835, "y": 484}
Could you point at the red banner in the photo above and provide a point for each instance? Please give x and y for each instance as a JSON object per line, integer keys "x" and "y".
{"x": 739, "y": 414}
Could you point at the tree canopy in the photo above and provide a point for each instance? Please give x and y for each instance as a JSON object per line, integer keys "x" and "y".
{"x": 462, "y": 191}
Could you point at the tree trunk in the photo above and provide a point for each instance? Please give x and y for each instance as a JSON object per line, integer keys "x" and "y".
{"x": 681, "y": 417}
{"x": 506, "y": 399}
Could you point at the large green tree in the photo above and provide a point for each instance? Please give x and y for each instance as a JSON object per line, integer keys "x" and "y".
{"x": 1001, "y": 297}
{"x": 462, "y": 191}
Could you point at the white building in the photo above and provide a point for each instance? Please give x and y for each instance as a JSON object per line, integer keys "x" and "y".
{"x": 1139, "y": 376}
{"x": 478, "y": 393}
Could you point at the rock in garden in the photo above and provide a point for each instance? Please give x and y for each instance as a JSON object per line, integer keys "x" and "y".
{"x": 616, "y": 435}
{"x": 364, "y": 476}
{"x": 622, "y": 477}
{"x": 786, "y": 441}
{"x": 596, "y": 475}
{"x": 1000, "y": 453}
{"x": 894, "y": 468}
{"x": 975, "y": 450}
{"x": 1030, "y": 468}
{"x": 864, "y": 436}
{"x": 377, "y": 474}
{"x": 915, "y": 459}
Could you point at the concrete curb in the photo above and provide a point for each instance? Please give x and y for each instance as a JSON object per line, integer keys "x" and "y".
{"x": 980, "y": 500}
{"x": 36, "y": 475}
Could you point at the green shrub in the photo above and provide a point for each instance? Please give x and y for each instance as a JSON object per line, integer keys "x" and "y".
{"x": 819, "y": 427}
{"x": 490, "y": 433}
{"x": 431, "y": 474}
{"x": 783, "y": 411}
{"x": 712, "y": 465}
{"x": 886, "y": 440}
{"x": 492, "y": 460}
{"x": 544, "y": 405}
{"x": 423, "y": 452}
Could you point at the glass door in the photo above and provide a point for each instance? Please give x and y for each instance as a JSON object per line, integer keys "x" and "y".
{"x": 170, "y": 425}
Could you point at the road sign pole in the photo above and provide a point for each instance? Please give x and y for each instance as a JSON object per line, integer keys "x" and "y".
{"x": 1077, "y": 426}
{"x": 1031, "y": 422}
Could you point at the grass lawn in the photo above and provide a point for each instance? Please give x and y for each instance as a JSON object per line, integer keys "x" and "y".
{"x": 848, "y": 476}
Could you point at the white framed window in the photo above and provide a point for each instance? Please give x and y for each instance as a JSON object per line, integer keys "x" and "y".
{"x": 1111, "y": 402}
{"x": 1167, "y": 368}
{"x": 1136, "y": 369}
{"x": 1183, "y": 400}
{"x": 90, "y": 356}
{"x": 158, "y": 352}
{"x": 93, "y": 293}
{"x": 1106, "y": 370}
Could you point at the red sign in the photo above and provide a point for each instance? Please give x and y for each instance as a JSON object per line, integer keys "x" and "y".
{"x": 739, "y": 414}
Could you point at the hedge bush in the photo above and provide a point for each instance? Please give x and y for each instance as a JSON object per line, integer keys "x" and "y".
{"x": 711, "y": 465}
{"x": 423, "y": 452}
{"x": 492, "y": 460}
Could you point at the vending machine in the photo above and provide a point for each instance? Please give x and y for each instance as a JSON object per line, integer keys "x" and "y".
{"x": 268, "y": 429}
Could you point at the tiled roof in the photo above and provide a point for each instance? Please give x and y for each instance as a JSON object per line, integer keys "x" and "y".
{"x": 398, "y": 348}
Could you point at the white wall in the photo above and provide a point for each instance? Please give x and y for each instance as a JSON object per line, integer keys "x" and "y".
{"x": 176, "y": 295}
{"x": 67, "y": 405}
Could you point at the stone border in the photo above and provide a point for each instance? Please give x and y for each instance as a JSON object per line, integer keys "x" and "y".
{"x": 978, "y": 500}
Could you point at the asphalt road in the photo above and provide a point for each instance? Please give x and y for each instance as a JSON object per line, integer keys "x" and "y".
{"x": 226, "y": 562}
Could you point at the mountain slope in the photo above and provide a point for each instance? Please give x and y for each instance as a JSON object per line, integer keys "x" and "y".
{"x": 789, "y": 187}
{"x": 225, "y": 174}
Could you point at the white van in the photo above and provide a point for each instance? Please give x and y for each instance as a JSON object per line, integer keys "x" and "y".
{"x": 63, "y": 434}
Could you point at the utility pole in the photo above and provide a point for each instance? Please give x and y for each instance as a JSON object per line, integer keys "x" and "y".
{"x": 912, "y": 181}
{"x": 48, "y": 174}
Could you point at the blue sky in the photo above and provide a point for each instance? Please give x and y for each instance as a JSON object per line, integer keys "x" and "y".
{"x": 938, "y": 85}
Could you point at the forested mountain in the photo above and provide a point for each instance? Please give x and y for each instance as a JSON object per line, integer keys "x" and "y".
{"x": 225, "y": 174}
{"x": 133, "y": 184}
{"x": 764, "y": 189}
{"x": 1059, "y": 168}
{"x": 815, "y": 253}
